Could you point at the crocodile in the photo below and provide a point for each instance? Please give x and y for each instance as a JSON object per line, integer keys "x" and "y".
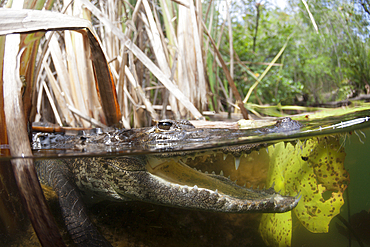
{"x": 165, "y": 178}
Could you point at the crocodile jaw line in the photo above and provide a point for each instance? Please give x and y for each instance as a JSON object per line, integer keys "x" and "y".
{"x": 187, "y": 182}
{"x": 178, "y": 173}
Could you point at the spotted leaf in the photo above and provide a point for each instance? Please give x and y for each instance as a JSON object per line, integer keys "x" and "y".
{"x": 315, "y": 169}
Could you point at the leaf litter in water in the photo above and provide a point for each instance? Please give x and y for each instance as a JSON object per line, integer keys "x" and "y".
{"x": 314, "y": 168}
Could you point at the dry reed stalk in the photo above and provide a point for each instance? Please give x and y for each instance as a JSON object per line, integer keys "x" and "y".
{"x": 26, "y": 21}
{"x": 104, "y": 80}
{"x": 167, "y": 43}
{"x": 157, "y": 44}
{"x": 73, "y": 71}
{"x": 186, "y": 75}
{"x": 52, "y": 104}
{"x": 158, "y": 73}
{"x": 60, "y": 68}
{"x": 85, "y": 70}
{"x": 182, "y": 3}
{"x": 122, "y": 92}
{"x": 18, "y": 21}
{"x": 59, "y": 96}
{"x": 230, "y": 41}
{"x": 136, "y": 110}
{"x": 38, "y": 104}
{"x": 210, "y": 26}
{"x": 31, "y": 43}
{"x": 141, "y": 93}
{"x": 168, "y": 17}
{"x": 311, "y": 16}
{"x": 164, "y": 79}
{"x": 86, "y": 117}
{"x": 112, "y": 44}
{"x": 201, "y": 92}
{"x": 228, "y": 77}
{"x": 24, "y": 171}
{"x": 176, "y": 55}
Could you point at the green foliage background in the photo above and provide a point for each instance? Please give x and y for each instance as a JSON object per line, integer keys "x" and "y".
{"x": 328, "y": 65}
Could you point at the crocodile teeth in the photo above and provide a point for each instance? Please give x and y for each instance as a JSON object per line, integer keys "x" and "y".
{"x": 225, "y": 156}
{"x": 237, "y": 162}
{"x": 195, "y": 187}
{"x": 221, "y": 172}
{"x": 298, "y": 196}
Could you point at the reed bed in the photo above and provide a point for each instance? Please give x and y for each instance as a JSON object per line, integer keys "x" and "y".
{"x": 141, "y": 61}
{"x": 156, "y": 54}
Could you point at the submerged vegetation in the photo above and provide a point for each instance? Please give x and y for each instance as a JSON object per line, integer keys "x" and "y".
{"x": 314, "y": 167}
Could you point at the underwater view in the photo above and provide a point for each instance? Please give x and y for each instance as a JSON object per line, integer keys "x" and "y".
{"x": 290, "y": 183}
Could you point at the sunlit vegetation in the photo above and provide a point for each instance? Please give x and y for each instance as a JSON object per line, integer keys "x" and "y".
{"x": 181, "y": 59}
{"x": 329, "y": 64}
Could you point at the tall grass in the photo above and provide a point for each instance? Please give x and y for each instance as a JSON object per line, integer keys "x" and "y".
{"x": 157, "y": 57}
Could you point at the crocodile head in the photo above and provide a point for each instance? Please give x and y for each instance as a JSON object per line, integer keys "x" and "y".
{"x": 213, "y": 180}
{"x": 217, "y": 179}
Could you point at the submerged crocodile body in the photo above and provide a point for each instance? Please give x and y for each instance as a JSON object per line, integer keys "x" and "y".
{"x": 166, "y": 178}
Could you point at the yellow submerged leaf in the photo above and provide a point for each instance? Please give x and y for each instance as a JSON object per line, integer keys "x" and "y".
{"x": 322, "y": 183}
{"x": 273, "y": 235}
{"x": 315, "y": 169}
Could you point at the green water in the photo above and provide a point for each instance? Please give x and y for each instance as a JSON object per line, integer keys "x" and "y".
{"x": 143, "y": 224}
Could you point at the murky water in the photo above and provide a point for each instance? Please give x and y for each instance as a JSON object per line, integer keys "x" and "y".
{"x": 326, "y": 162}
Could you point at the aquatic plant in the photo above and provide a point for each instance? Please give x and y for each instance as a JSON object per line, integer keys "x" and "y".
{"x": 314, "y": 168}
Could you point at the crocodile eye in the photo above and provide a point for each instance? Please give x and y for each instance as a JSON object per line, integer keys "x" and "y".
{"x": 164, "y": 125}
